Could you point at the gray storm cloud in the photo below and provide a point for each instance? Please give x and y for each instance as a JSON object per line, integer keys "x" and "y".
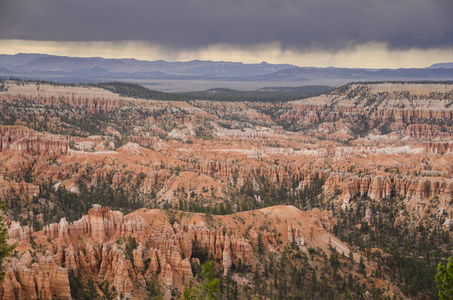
{"x": 191, "y": 24}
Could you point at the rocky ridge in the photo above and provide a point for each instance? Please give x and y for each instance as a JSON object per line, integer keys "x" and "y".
{"x": 18, "y": 138}
{"x": 164, "y": 251}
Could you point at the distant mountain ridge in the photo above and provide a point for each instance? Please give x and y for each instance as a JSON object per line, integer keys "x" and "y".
{"x": 95, "y": 69}
{"x": 442, "y": 66}
{"x": 33, "y": 63}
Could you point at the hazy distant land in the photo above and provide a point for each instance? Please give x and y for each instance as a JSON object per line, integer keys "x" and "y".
{"x": 200, "y": 75}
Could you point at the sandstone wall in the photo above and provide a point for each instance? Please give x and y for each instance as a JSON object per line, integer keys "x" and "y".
{"x": 19, "y": 138}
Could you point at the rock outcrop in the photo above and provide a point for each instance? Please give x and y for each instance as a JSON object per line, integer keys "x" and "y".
{"x": 167, "y": 254}
{"x": 94, "y": 100}
{"x": 295, "y": 236}
{"x": 19, "y": 138}
{"x": 379, "y": 187}
{"x": 43, "y": 279}
{"x": 439, "y": 147}
{"x": 18, "y": 232}
{"x": 425, "y": 131}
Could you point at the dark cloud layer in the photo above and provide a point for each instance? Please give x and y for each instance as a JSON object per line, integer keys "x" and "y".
{"x": 188, "y": 24}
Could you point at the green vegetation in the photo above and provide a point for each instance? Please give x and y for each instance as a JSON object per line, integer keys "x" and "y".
{"x": 210, "y": 283}
{"x": 56, "y": 203}
{"x": 80, "y": 290}
{"x": 5, "y": 249}
{"x": 153, "y": 289}
{"x": 444, "y": 279}
{"x": 271, "y": 194}
{"x": 206, "y": 285}
{"x": 131, "y": 245}
{"x": 408, "y": 255}
{"x": 297, "y": 275}
{"x": 404, "y": 254}
{"x": 269, "y": 94}
{"x": 86, "y": 288}
{"x": 108, "y": 292}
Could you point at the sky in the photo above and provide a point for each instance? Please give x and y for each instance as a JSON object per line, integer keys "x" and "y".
{"x": 320, "y": 33}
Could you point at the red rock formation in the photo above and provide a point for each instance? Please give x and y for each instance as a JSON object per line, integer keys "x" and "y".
{"x": 313, "y": 117}
{"x": 379, "y": 187}
{"x": 408, "y": 116}
{"x": 18, "y": 232}
{"x": 295, "y": 236}
{"x": 323, "y": 219}
{"x": 27, "y": 189}
{"x": 96, "y": 245}
{"x": 425, "y": 131}
{"x": 43, "y": 279}
{"x": 244, "y": 134}
{"x": 19, "y": 138}
{"x": 167, "y": 246}
{"x": 146, "y": 141}
{"x": 439, "y": 147}
{"x": 94, "y": 100}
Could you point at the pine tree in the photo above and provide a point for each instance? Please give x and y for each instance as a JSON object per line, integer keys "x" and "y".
{"x": 5, "y": 249}
{"x": 107, "y": 292}
{"x": 91, "y": 290}
{"x": 211, "y": 284}
{"x": 444, "y": 279}
{"x": 362, "y": 269}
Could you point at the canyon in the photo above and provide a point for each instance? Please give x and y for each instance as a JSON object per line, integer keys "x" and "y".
{"x": 95, "y": 245}
{"x": 85, "y": 172}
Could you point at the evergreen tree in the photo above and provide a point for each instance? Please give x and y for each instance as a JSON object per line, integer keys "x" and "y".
{"x": 107, "y": 292}
{"x": 362, "y": 269}
{"x": 91, "y": 290}
{"x": 153, "y": 289}
{"x": 211, "y": 284}
{"x": 260, "y": 243}
{"x": 444, "y": 279}
{"x": 190, "y": 292}
{"x": 5, "y": 249}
